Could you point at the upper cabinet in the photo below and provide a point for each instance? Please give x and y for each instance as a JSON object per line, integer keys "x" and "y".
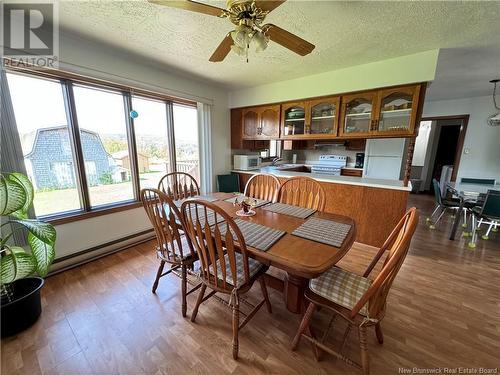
{"x": 358, "y": 114}
{"x": 312, "y": 119}
{"x": 380, "y": 113}
{"x": 261, "y": 122}
{"x": 398, "y": 110}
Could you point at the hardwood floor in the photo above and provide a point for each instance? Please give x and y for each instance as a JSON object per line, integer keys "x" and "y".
{"x": 101, "y": 318}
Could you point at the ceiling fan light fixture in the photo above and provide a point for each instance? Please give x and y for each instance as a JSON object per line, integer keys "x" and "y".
{"x": 240, "y": 51}
{"x": 261, "y": 41}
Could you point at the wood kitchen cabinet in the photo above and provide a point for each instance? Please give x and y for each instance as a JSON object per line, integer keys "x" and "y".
{"x": 311, "y": 119}
{"x": 381, "y": 113}
{"x": 261, "y": 122}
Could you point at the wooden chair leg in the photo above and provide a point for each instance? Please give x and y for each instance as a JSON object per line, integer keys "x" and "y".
{"x": 304, "y": 324}
{"x": 365, "y": 361}
{"x": 158, "y": 275}
{"x": 184, "y": 289}
{"x": 198, "y": 302}
{"x": 236, "y": 323}
{"x": 378, "y": 332}
{"x": 263, "y": 287}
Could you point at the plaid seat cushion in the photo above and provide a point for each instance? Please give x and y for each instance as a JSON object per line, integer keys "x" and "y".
{"x": 253, "y": 267}
{"x": 341, "y": 287}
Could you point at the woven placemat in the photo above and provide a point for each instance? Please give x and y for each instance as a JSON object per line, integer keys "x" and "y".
{"x": 207, "y": 198}
{"x": 256, "y": 235}
{"x": 287, "y": 209}
{"x": 260, "y": 202}
{"x": 324, "y": 231}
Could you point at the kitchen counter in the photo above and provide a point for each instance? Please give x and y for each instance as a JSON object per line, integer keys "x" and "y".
{"x": 347, "y": 180}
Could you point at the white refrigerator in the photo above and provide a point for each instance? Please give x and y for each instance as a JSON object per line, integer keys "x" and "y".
{"x": 384, "y": 158}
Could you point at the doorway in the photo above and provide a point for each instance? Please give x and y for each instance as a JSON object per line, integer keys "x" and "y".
{"x": 440, "y": 143}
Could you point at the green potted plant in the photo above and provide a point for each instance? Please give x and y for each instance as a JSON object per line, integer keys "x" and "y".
{"x": 20, "y": 294}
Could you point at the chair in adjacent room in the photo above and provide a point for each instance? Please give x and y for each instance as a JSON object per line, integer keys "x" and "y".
{"x": 225, "y": 265}
{"x": 359, "y": 300}
{"x": 488, "y": 213}
{"x": 442, "y": 205}
{"x": 179, "y": 185}
{"x": 263, "y": 186}
{"x": 171, "y": 248}
{"x": 303, "y": 192}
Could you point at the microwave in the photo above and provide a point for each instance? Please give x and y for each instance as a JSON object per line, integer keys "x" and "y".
{"x": 246, "y": 162}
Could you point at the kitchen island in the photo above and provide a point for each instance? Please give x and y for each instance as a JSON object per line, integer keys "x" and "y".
{"x": 375, "y": 204}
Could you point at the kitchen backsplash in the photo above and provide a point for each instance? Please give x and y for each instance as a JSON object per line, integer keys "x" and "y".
{"x": 312, "y": 156}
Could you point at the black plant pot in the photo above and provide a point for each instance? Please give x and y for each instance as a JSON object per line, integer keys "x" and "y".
{"x": 25, "y": 306}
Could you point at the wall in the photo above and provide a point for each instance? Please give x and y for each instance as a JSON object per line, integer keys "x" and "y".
{"x": 420, "y": 67}
{"x": 482, "y": 141}
{"x": 104, "y": 62}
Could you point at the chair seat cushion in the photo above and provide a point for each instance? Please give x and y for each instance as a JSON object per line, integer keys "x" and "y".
{"x": 253, "y": 267}
{"x": 341, "y": 287}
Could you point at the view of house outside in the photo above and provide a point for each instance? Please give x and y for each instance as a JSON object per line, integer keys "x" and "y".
{"x": 42, "y": 126}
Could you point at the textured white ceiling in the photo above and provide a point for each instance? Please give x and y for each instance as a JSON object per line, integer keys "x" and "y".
{"x": 345, "y": 34}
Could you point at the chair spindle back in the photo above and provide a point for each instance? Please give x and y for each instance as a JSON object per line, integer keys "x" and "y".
{"x": 303, "y": 192}
{"x": 201, "y": 220}
{"x": 166, "y": 220}
{"x": 179, "y": 185}
{"x": 263, "y": 186}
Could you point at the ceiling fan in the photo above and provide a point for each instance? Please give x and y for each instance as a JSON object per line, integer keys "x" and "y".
{"x": 248, "y": 16}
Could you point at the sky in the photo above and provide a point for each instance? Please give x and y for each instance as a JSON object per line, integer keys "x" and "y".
{"x": 39, "y": 103}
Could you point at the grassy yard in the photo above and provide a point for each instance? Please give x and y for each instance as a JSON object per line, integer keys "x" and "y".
{"x": 55, "y": 201}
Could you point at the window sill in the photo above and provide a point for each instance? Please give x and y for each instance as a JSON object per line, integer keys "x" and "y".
{"x": 77, "y": 216}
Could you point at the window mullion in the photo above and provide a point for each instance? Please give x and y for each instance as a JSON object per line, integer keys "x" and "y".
{"x": 132, "y": 148}
{"x": 81, "y": 179}
{"x": 171, "y": 136}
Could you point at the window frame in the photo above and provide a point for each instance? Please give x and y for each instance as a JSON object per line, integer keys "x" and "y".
{"x": 67, "y": 80}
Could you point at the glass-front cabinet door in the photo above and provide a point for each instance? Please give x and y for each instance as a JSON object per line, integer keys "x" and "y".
{"x": 397, "y": 110}
{"x": 323, "y": 119}
{"x": 358, "y": 113}
{"x": 293, "y": 121}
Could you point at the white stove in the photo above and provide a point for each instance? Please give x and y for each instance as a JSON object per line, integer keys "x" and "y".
{"x": 329, "y": 164}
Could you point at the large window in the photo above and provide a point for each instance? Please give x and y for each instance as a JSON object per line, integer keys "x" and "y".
{"x": 151, "y": 135}
{"x": 186, "y": 140}
{"x": 45, "y": 141}
{"x": 84, "y": 148}
{"x": 103, "y": 136}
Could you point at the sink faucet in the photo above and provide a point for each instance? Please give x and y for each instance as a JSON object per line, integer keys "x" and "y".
{"x": 275, "y": 161}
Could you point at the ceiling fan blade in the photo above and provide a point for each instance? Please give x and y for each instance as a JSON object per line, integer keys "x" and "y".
{"x": 288, "y": 40}
{"x": 223, "y": 49}
{"x": 268, "y": 5}
{"x": 192, "y": 6}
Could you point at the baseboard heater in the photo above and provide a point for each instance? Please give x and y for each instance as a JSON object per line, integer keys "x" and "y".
{"x": 84, "y": 256}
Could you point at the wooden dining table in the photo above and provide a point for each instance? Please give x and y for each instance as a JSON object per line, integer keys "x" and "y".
{"x": 301, "y": 259}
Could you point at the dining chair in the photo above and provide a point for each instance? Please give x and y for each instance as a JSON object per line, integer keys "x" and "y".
{"x": 357, "y": 299}
{"x": 228, "y": 183}
{"x": 442, "y": 205}
{"x": 303, "y": 192}
{"x": 179, "y": 185}
{"x": 488, "y": 213}
{"x": 263, "y": 186}
{"x": 225, "y": 265}
{"x": 167, "y": 224}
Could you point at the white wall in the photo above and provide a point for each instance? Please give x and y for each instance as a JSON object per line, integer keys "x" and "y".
{"x": 419, "y": 67}
{"x": 482, "y": 141}
{"x": 102, "y": 61}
